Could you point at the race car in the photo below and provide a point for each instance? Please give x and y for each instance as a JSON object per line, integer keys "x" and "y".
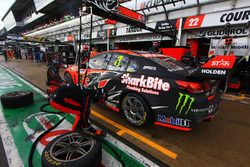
{"x": 153, "y": 88}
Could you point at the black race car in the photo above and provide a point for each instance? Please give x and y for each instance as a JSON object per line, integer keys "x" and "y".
{"x": 154, "y": 88}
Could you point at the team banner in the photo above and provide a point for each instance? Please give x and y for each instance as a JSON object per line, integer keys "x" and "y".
{"x": 239, "y": 46}
{"x": 233, "y": 17}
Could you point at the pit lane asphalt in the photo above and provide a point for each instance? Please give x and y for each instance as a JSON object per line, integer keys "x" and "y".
{"x": 221, "y": 142}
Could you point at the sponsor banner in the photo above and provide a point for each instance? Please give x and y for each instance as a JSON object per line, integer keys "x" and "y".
{"x": 85, "y": 35}
{"x": 239, "y": 47}
{"x": 131, "y": 14}
{"x": 239, "y": 16}
{"x": 219, "y": 32}
{"x": 233, "y": 17}
{"x": 144, "y": 4}
{"x": 142, "y": 38}
{"x": 131, "y": 30}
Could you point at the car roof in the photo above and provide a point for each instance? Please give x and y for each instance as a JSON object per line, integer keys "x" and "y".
{"x": 145, "y": 54}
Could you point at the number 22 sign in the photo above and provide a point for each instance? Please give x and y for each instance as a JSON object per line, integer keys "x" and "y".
{"x": 194, "y": 21}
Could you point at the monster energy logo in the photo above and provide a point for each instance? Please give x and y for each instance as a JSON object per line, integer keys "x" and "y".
{"x": 184, "y": 100}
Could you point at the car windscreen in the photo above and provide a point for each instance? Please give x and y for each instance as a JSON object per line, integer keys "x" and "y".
{"x": 170, "y": 64}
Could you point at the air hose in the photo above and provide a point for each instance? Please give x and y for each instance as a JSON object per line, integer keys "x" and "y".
{"x": 33, "y": 147}
{"x": 99, "y": 138}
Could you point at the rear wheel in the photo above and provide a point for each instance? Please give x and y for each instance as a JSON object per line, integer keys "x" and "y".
{"x": 68, "y": 78}
{"x": 136, "y": 110}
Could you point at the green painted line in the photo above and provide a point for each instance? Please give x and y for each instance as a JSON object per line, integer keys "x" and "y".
{"x": 17, "y": 119}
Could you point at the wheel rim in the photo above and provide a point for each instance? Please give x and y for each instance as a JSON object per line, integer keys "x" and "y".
{"x": 71, "y": 147}
{"x": 133, "y": 110}
{"x": 15, "y": 94}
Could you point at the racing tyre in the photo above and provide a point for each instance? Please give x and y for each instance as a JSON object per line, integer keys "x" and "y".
{"x": 136, "y": 110}
{"x": 17, "y": 99}
{"x": 72, "y": 150}
{"x": 68, "y": 78}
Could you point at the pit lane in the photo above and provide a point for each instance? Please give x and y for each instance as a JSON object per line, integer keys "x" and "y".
{"x": 222, "y": 142}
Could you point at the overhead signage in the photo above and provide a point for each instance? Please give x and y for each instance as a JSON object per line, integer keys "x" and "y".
{"x": 142, "y": 37}
{"x": 165, "y": 25}
{"x": 112, "y": 32}
{"x": 239, "y": 16}
{"x": 131, "y": 30}
{"x": 233, "y": 17}
{"x": 102, "y": 34}
{"x": 234, "y": 31}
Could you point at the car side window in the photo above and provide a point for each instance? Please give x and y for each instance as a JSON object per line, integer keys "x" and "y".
{"x": 97, "y": 62}
{"x": 118, "y": 62}
{"x": 107, "y": 57}
{"x": 133, "y": 66}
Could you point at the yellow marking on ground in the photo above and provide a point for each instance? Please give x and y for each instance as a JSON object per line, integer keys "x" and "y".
{"x": 121, "y": 132}
{"x": 143, "y": 139}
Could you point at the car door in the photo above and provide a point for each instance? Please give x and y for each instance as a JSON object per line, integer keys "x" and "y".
{"x": 118, "y": 65}
{"x": 97, "y": 65}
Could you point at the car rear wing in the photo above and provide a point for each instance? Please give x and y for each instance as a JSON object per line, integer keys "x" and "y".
{"x": 218, "y": 67}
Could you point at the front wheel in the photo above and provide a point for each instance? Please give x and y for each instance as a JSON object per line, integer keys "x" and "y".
{"x": 136, "y": 110}
{"x": 72, "y": 149}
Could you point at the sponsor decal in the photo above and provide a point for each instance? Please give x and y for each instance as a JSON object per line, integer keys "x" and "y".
{"x": 209, "y": 109}
{"x": 220, "y": 63}
{"x": 224, "y": 62}
{"x": 213, "y": 72}
{"x": 151, "y": 85}
{"x": 37, "y": 123}
{"x": 173, "y": 121}
{"x": 184, "y": 102}
{"x": 149, "y": 68}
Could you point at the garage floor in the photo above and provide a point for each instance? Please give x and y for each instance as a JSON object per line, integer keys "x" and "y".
{"x": 222, "y": 142}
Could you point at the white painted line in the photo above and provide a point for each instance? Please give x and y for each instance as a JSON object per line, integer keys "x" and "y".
{"x": 10, "y": 149}
{"x": 129, "y": 151}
